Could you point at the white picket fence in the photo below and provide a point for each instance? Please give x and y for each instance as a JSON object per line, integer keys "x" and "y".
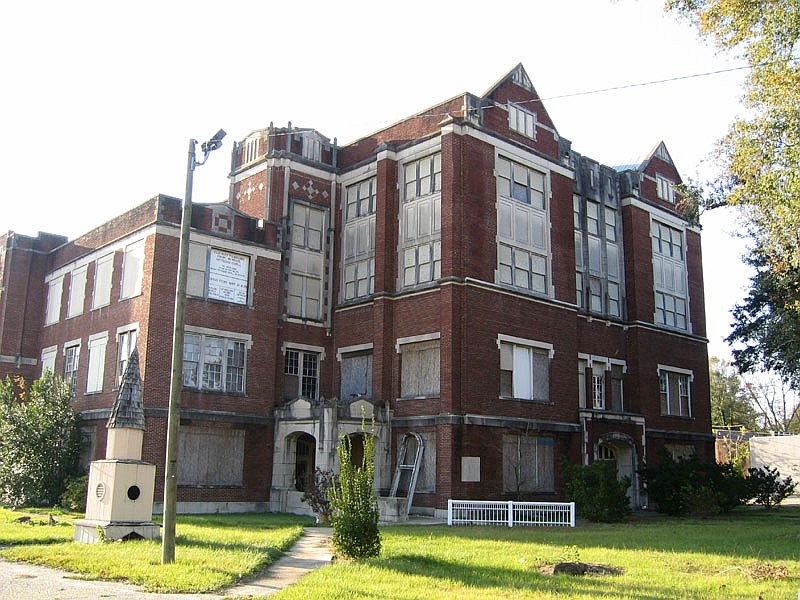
{"x": 487, "y": 512}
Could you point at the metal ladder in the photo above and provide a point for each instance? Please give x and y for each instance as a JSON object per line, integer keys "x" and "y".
{"x": 410, "y": 468}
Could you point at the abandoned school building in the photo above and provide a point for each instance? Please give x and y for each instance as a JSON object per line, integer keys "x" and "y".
{"x": 488, "y": 295}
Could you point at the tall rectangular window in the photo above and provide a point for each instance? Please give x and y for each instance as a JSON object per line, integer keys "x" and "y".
{"x": 598, "y": 257}
{"x": 522, "y": 227}
{"x": 132, "y": 270}
{"x": 665, "y": 189}
{"x": 126, "y": 342}
{"x": 54, "y": 289}
{"x": 305, "y": 285}
{"x": 675, "y": 392}
{"x": 251, "y": 149}
{"x": 103, "y": 271}
{"x": 359, "y": 240}
{"x": 49, "y": 359}
{"x": 669, "y": 275}
{"x": 97, "y": 362}
{"x": 77, "y": 292}
{"x": 419, "y": 369}
{"x": 524, "y": 372}
{"x": 301, "y": 374}
{"x": 214, "y": 363}
{"x": 421, "y": 222}
{"x": 71, "y": 356}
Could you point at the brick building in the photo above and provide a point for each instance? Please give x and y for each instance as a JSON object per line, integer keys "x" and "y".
{"x": 462, "y": 275}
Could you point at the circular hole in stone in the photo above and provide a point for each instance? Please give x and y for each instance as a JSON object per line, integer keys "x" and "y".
{"x": 134, "y": 492}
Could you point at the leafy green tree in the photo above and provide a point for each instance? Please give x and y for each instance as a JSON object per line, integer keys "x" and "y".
{"x": 353, "y": 502}
{"x": 730, "y": 405}
{"x": 39, "y": 441}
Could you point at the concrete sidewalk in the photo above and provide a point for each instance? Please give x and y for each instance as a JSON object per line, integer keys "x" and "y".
{"x": 23, "y": 581}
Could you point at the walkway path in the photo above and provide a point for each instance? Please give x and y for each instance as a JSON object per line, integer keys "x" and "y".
{"x": 23, "y": 581}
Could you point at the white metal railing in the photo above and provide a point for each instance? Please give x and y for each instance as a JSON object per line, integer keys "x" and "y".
{"x": 488, "y": 512}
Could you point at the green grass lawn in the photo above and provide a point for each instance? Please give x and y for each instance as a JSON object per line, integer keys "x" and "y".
{"x": 752, "y": 554}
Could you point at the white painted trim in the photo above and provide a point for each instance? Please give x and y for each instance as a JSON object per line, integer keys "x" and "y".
{"x": 50, "y": 349}
{"x": 231, "y": 245}
{"x": 295, "y": 346}
{"x": 679, "y": 370}
{"x": 126, "y": 328}
{"x": 356, "y": 175}
{"x": 660, "y": 214}
{"x": 413, "y": 339}
{"x": 232, "y": 335}
{"x": 355, "y": 348}
{"x": 71, "y": 344}
{"x": 511, "y": 339}
{"x": 282, "y": 162}
{"x": 103, "y": 335}
{"x": 417, "y": 151}
{"x": 521, "y": 154}
{"x": 593, "y": 358}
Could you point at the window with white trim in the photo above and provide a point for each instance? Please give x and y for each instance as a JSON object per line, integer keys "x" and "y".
{"x": 103, "y": 272}
{"x": 72, "y": 353}
{"x": 306, "y": 270}
{"x": 49, "y": 359}
{"x": 598, "y": 257}
{"x": 218, "y": 274}
{"x": 77, "y": 292}
{"x": 312, "y": 146}
{"x": 421, "y": 222}
{"x": 97, "y": 362}
{"x": 419, "y": 369}
{"x": 524, "y": 372}
{"x": 521, "y": 120}
{"x": 675, "y": 392}
{"x": 669, "y": 275}
{"x": 522, "y": 227}
{"x": 132, "y": 270}
{"x": 301, "y": 374}
{"x": 665, "y": 189}
{"x": 214, "y": 363}
{"x": 600, "y": 384}
{"x": 359, "y": 240}
{"x": 54, "y": 290}
{"x": 126, "y": 343}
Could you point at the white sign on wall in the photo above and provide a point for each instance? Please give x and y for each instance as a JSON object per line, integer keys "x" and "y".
{"x": 228, "y": 274}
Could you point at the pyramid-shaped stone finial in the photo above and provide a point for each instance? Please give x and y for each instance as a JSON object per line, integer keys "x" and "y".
{"x": 128, "y": 410}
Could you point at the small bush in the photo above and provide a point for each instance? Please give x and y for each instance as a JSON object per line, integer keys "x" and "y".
{"x": 354, "y": 505}
{"x": 597, "y": 493}
{"x": 74, "y": 497}
{"x": 767, "y": 488}
{"x": 316, "y": 489}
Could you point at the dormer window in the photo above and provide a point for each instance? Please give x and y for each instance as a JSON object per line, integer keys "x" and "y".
{"x": 665, "y": 189}
{"x": 522, "y": 121}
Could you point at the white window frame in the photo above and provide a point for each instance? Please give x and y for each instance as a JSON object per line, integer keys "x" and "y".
{"x": 420, "y": 254}
{"x": 55, "y": 289}
{"x": 522, "y": 120}
{"x": 77, "y": 291}
{"x": 49, "y": 359}
{"x": 598, "y": 274}
{"x": 306, "y": 262}
{"x": 103, "y": 278}
{"x": 297, "y": 368}
{"x": 683, "y": 379}
{"x": 96, "y": 345}
{"x": 71, "y": 375}
{"x": 358, "y": 264}
{"x": 132, "y": 270}
{"x": 204, "y": 358}
{"x": 670, "y": 276}
{"x": 127, "y": 339}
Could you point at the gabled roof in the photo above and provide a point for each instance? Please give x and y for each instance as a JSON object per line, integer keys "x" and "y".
{"x": 519, "y": 76}
{"x": 128, "y": 410}
{"x": 658, "y": 151}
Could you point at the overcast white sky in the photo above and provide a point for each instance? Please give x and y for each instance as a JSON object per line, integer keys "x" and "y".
{"x": 100, "y": 98}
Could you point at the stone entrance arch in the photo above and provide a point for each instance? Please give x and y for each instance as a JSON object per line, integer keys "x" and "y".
{"x": 621, "y": 448}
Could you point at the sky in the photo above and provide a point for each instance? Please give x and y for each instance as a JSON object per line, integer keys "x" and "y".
{"x": 100, "y": 99}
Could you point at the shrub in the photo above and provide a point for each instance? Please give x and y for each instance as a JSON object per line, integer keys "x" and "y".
{"x": 767, "y": 488}
{"x": 686, "y": 485}
{"x": 316, "y": 489}
{"x": 74, "y": 496}
{"x": 354, "y": 505}
{"x": 597, "y": 493}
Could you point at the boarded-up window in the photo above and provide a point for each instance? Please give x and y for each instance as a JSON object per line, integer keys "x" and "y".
{"x": 528, "y": 464}
{"x": 419, "y": 371}
{"x": 97, "y": 361}
{"x": 77, "y": 292}
{"x": 103, "y": 270}
{"x": 210, "y": 456}
{"x": 356, "y": 369}
{"x": 54, "y": 289}
{"x": 132, "y": 270}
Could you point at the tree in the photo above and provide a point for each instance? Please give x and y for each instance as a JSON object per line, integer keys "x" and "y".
{"x": 777, "y": 403}
{"x": 354, "y": 505}
{"x": 39, "y": 441}
{"x": 760, "y": 171}
{"x": 730, "y": 405}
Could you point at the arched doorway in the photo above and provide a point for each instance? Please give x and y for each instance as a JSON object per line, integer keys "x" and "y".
{"x": 304, "y": 462}
{"x": 620, "y": 449}
{"x": 356, "y": 449}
